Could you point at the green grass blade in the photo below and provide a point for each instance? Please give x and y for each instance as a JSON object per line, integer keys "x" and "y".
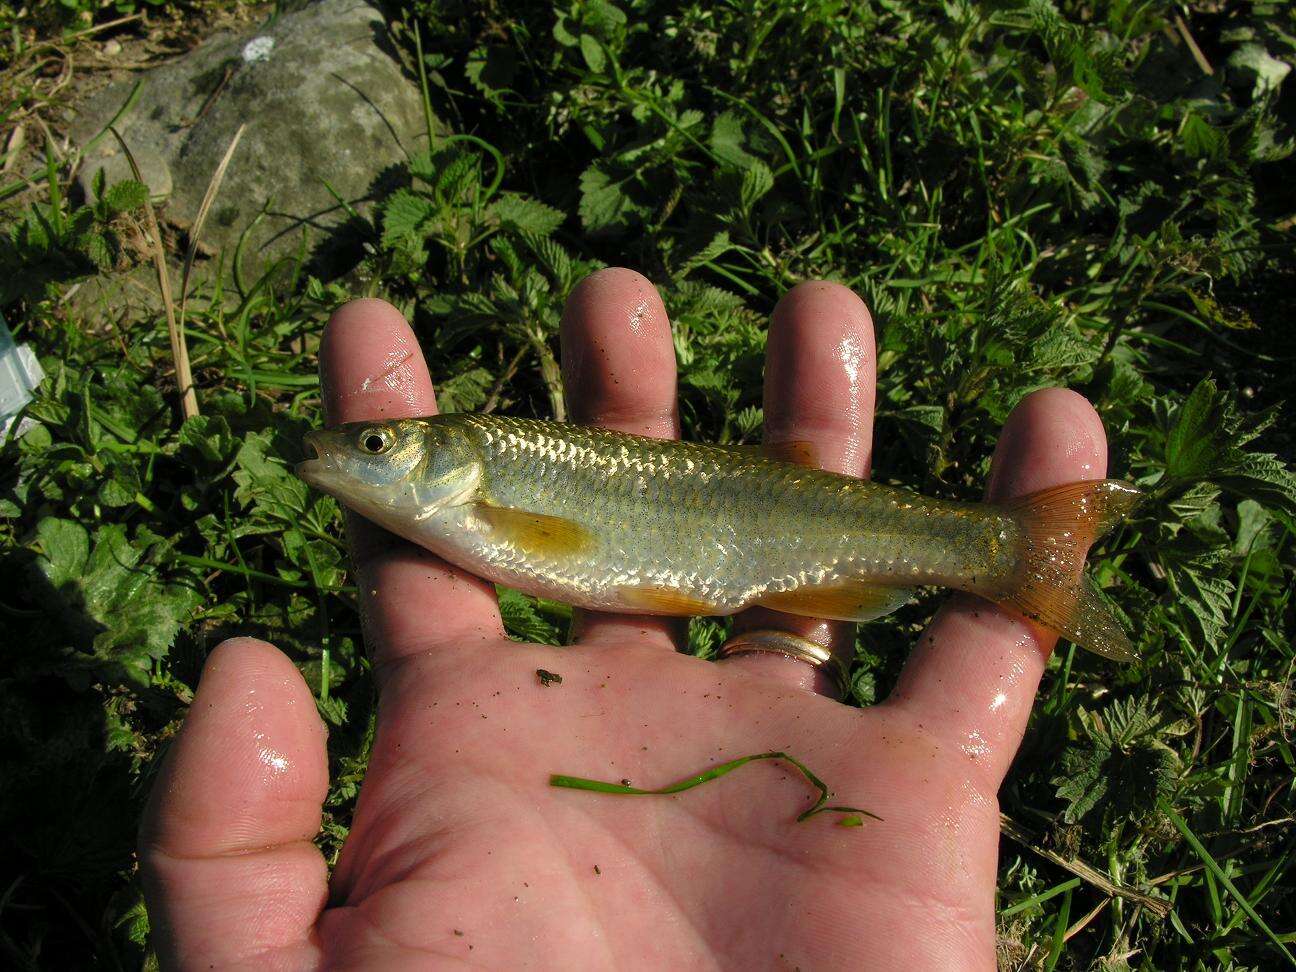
{"x": 714, "y": 773}
{"x": 1218, "y": 872}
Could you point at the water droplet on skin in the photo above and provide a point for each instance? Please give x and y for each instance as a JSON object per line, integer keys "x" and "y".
{"x": 638, "y": 315}
{"x": 997, "y": 702}
{"x": 851, "y": 354}
{"x": 274, "y": 759}
{"x": 976, "y": 745}
{"x": 390, "y": 375}
{"x": 270, "y": 757}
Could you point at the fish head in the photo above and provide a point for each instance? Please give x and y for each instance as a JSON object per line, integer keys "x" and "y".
{"x": 392, "y": 471}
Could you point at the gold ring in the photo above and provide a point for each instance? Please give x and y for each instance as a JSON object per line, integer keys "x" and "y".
{"x": 773, "y": 641}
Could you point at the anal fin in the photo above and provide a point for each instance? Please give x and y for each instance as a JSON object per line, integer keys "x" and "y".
{"x": 840, "y": 601}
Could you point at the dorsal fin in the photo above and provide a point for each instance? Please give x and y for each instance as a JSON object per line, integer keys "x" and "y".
{"x": 800, "y": 452}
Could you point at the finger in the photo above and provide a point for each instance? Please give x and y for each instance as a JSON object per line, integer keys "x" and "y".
{"x": 228, "y": 866}
{"x": 618, "y": 364}
{"x": 820, "y": 375}
{"x": 413, "y": 601}
{"x": 973, "y": 676}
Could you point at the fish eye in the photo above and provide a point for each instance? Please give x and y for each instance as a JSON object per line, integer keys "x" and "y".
{"x": 375, "y": 441}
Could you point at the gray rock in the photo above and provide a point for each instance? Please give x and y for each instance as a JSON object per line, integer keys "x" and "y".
{"x": 324, "y": 102}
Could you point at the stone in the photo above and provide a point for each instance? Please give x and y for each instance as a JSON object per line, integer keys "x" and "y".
{"x": 326, "y": 105}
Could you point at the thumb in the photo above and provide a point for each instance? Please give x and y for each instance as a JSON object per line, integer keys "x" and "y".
{"x": 229, "y": 870}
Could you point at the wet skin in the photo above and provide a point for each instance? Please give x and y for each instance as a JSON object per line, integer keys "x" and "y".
{"x": 460, "y": 852}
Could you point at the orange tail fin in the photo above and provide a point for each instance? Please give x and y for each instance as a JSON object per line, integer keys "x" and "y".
{"x": 1050, "y": 587}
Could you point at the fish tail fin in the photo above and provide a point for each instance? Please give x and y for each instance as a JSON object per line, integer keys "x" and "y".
{"x": 1050, "y": 587}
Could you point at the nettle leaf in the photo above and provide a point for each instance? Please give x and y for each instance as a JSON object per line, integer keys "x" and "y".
{"x": 526, "y": 215}
{"x": 718, "y": 245}
{"x": 1200, "y": 139}
{"x": 404, "y": 214}
{"x": 1206, "y": 442}
{"x": 465, "y": 391}
{"x": 757, "y": 181}
{"x": 523, "y": 621}
{"x": 726, "y": 141}
{"x": 604, "y": 204}
{"x": 1202, "y": 579}
{"x": 1266, "y": 71}
{"x": 1063, "y": 347}
{"x": 491, "y": 71}
{"x": 99, "y": 250}
{"x": 1122, "y": 768}
{"x": 123, "y": 197}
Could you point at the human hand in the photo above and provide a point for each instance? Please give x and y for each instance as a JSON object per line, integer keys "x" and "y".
{"x": 460, "y": 851}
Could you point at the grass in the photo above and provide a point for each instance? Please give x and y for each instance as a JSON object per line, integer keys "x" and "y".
{"x": 1027, "y": 194}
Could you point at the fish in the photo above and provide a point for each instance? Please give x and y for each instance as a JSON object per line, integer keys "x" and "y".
{"x": 610, "y": 521}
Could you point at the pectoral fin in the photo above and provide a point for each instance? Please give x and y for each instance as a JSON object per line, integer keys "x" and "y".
{"x": 846, "y": 601}
{"x": 664, "y": 600}
{"x": 536, "y": 533}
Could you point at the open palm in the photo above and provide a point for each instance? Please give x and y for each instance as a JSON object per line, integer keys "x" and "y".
{"x": 460, "y": 852}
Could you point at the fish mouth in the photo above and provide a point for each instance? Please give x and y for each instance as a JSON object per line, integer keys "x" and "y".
{"x": 317, "y": 463}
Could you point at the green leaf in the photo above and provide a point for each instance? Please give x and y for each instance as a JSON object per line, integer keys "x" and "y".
{"x": 757, "y": 181}
{"x": 562, "y": 31}
{"x": 115, "y": 604}
{"x": 714, "y": 773}
{"x": 593, "y": 54}
{"x": 99, "y": 251}
{"x": 404, "y": 214}
{"x": 119, "y": 491}
{"x": 209, "y": 436}
{"x": 65, "y": 547}
{"x": 465, "y": 391}
{"x": 125, "y": 196}
{"x": 525, "y": 215}
{"x": 523, "y": 621}
{"x": 718, "y": 245}
{"x": 492, "y": 70}
{"x": 1200, "y": 139}
{"x": 603, "y": 202}
{"x": 265, "y": 482}
{"x": 1123, "y": 768}
{"x": 1206, "y": 441}
{"x": 1266, "y": 71}
{"x": 727, "y": 141}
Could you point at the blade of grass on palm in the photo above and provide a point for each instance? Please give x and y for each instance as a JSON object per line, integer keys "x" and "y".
{"x": 715, "y": 772}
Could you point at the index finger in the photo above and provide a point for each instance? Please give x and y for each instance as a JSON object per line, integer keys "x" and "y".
{"x": 371, "y": 368}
